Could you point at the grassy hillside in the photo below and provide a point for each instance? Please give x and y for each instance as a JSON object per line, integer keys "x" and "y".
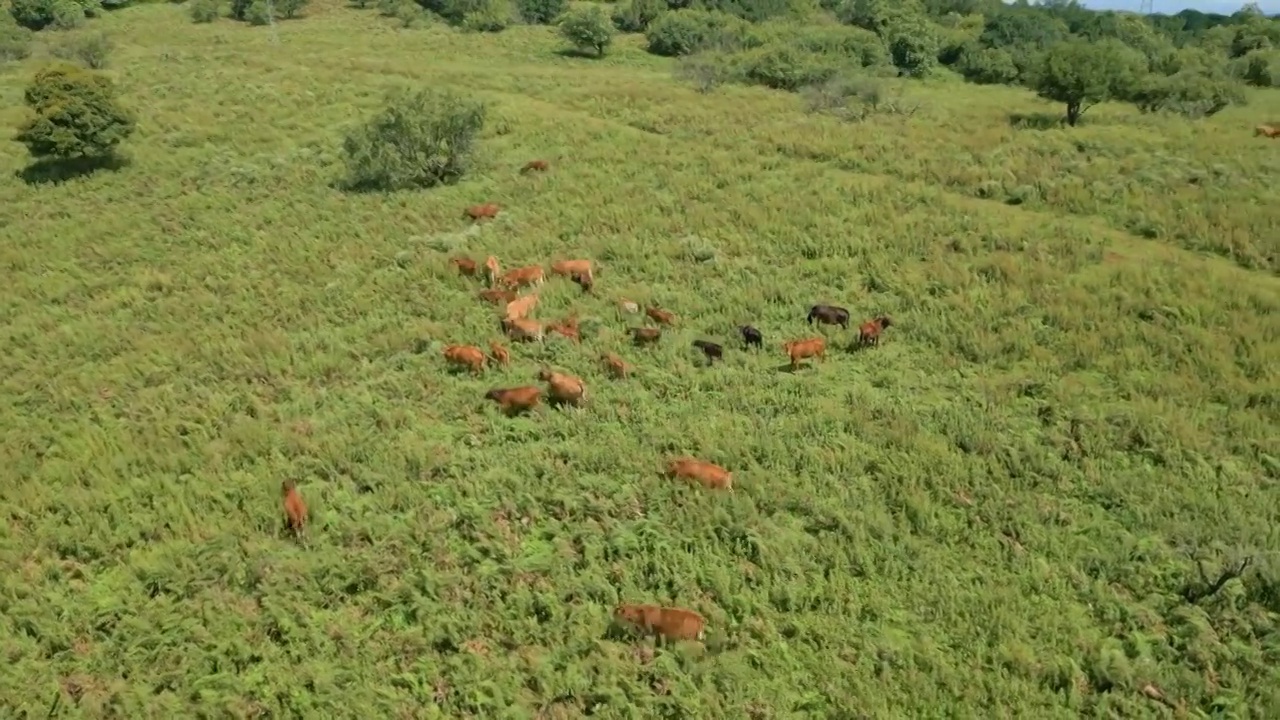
{"x": 993, "y": 514}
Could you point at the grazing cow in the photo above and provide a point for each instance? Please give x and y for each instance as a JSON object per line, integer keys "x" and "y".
{"x": 487, "y": 211}
{"x": 586, "y": 282}
{"x": 1269, "y": 131}
{"x": 829, "y": 315}
{"x": 521, "y": 307}
{"x": 662, "y": 317}
{"x": 531, "y": 275}
{"x": 713, "y": 351}
{"x": 514, "y": 401}
{"x": 499, "y": 353}
{"x": 497, "y": 296}
{"x": 535, "y": 166}
{"x": 465, "y": 355}
{"x": 751, "y": 336}
{"x": 645, "y": 336}
{"x": 567, "y": 327}
{"x": 869, "y": 331}
{"x": 706, "y": 474}
{"x": 616, "y": 365}
{"x": 563, "y": 388}
{"x": 492, "y": 271}
{"x": 523, "y": 329}
{"x": 465, "y": 265}
{"x": 669, "y": 623}
{"x": 628, "y": 306}
{"x": 798, "y": 350}
{"x": 295, "y": 510}
{"x": 569, "y": 268}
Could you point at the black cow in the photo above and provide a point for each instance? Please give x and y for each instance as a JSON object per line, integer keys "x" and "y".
{"x": 751, "y": 336}
{"x": 712, "y": 350}
{"x": 829, "y": 315}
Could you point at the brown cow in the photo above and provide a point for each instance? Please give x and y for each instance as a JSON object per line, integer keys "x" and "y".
{"x": 586, "y": 282}
{"x": 465, "y": 265}
{"x": 616, "y": 365}
{"x": 801, "y": 349}
{"x": 514, "y": 401}
{"x": 498, "y": 296}
{"x": 567, "y": 327}
{"x": 707, "y": 474}
{"x": 662, "y": 317}
{"x": 523, "y": 329}
{"x": 645, "y": 336}
{"x": 1269, "y": 131}
{"x": 492, "y": 271}
{"x": 487, "y": 211}
{"x": 670, "y": 623}
{"x": 531, "y": 275}
{"x": 499, "y": 353}
{"x": 535, "y": 165}
{"x": 465, "y": 355}
{"x": 869, "y": 331}
{"x": 569, "y": 268}
{"x": 563, "y": 388}
{"x": 521, "y": 307}
{"x": 295, "y": 510}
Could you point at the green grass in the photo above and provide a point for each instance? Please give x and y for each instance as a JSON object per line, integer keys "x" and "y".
{"x": 991, "y": 515}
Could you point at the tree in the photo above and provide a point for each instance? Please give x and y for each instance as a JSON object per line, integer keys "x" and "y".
{"x": 588, "y": 28}
{"x": 75, "y": 115}
{"x": 541, "y": 12}
{"x": 1081, "y": 74}
{"x": 420, "y": 139}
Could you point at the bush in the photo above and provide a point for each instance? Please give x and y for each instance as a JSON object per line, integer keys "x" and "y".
{"x": 421, "y": 139}
{"x": 783, "y": 67}
{"x": 636, "y": 15}
{"x": 407, "y": 12}
{"x": 40, "y": 14}
{"x": 855, "y": 98}
{"x": 1192, "y": 93}
{"x": 705, "y": 71}
{"x": 259, "y": 13}
{"x": 205, "y": 11}
{"x": 1080, "y": 74}
{"x": 755, "y": 10}
{"x": 1260, "y": 68}
{"x": 684, "y": 32}
{"x": 588, "y": 28}
{"x": 913, "y": 47}
{"x": 541, "y": 12}
{"x": 76, "y": 115}
{"x": 475, "y": 15}
{"x": 290, "y": 9}
{"x": 15, "y": 40}
{"x": 987, "y": 66}
{"x": 90, "y": 50}
{"x": 848, "y": 43}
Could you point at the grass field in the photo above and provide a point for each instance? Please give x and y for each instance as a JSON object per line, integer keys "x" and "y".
{"x": 993, "y": 514}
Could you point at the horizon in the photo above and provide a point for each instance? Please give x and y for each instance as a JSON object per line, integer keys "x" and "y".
{"x": 1173, "y": 7}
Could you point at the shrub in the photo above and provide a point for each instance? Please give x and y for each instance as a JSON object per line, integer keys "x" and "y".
{"x": 588, "y": 28}
{"x": 1080, "y": 74}
{"x": 260, "y": 12}
{"x": 40, "y": 14}
{"x": 783, "y": 67}
{"x": 1192, "y": 93}
{"x": 1260, "y": 68}
{"x": 754, "y": 10}
{"x": 475, "y": 15}
{"x": 420, "y": 139}
{"x": 987, "y": 66}
{"x": 852, "y": 43}
{"x": 541, "y": 12}
{"x": 855, "y": 98}
{"x": 75, "y": 115}
{"x": 913, "y": 47}
{"x": 90, "y": 50}
{"x": 705, "y": 71}
{"x": 684, "y": 32}
{"x": 15, "y": 40}
{"x": 290, "y": 9}
{"x": 637, "y": 15}
{"x": 205, "y": 11}
{"x": 407, "y": 12}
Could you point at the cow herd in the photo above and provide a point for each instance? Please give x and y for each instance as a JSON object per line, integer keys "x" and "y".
{"x": 517, "y": 325}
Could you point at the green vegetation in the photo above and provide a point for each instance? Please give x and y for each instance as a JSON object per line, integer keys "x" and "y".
{"x": 1022, "y": 499}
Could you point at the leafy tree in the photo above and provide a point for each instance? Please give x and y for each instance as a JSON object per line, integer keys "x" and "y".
{"x": 588, "y": 28}
{"x": 913, "y": 46}
{"x": 636, "y": 15}
{"x": 683, "y": 32}
{"x": 987, "y": 66}
{"x": 58, "y": 14}
{"x": 420, "y": 139}
{"x": 1192, "y": 92}
{"x": 1081, "y": 74}
{"x": 878, "y": 15}
{"x": 75, "y": 115}
{"x": 541, "y": 12}
{"x": 205, "y": 11}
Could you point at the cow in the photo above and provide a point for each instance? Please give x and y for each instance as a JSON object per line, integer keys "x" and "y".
{"x": 535, "y": 166}
{"x": 706, "y": 474}
{"x": 563, "y": 388}
{"x": 713, "y": 351}
{"x": 465, "y": 355}
{"x": 615, "y": 365}
{"x": 798, "y": 350}
{"x": 492, "y": 271}
{"x": 499, "y": 354}
{"x": 586, "y": 282}
{"x": 497, "y": 296}
{"x": 751, "y": 336}
{"x": 668, "y": 623}
{"x": 521, "y": 307}
{"x": 869, "y": 331}
{"x": 644, "y": 335}
{"x": 1269, "y": 131}
{"x": 465, "y": 265}
{"x": 531, "y": 275}
{"x": 514, "y": 401}
{"x": 569, "y": 268}
{"x": 295, "y": 510}
{"x": 662, "y": 317}
{"x": 487, "y": 211}
{"x": 567, "y": 327}
{"x": 829, "y": 315}
{"x": 523, "y": 329}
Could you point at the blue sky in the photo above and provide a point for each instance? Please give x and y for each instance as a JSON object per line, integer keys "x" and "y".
{"x": 1169, "y": 7}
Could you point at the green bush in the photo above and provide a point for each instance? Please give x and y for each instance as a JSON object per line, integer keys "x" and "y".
{"x": 290, "y": 9}
{"x": 205, "y": 11}
{"x": 684, "y": 32}
{"x": 541, "y": 12}
{"x": 75, "y": 115}
{"x": 1260, "y": 68}
{"x": 913, "y": 47}
{"x": 588, "y": 29}
{"x": 784, "y": 67}
{"x": 855, "y": 98}
{"x": 636, "y": 15}
{"x": 1192, "y": 93}
{"x": 15, "y": 40}
{"x": 259, "y": 13}
{"x": 475, "y": 15}
{"x": 420, "y": 139}
{"x": 852, "y": 43}
{"x": 987, "y": 66}
{"x": 56, "y": 14}
{"x": 92, "y": 51}
{"x": 755, "y": 10}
